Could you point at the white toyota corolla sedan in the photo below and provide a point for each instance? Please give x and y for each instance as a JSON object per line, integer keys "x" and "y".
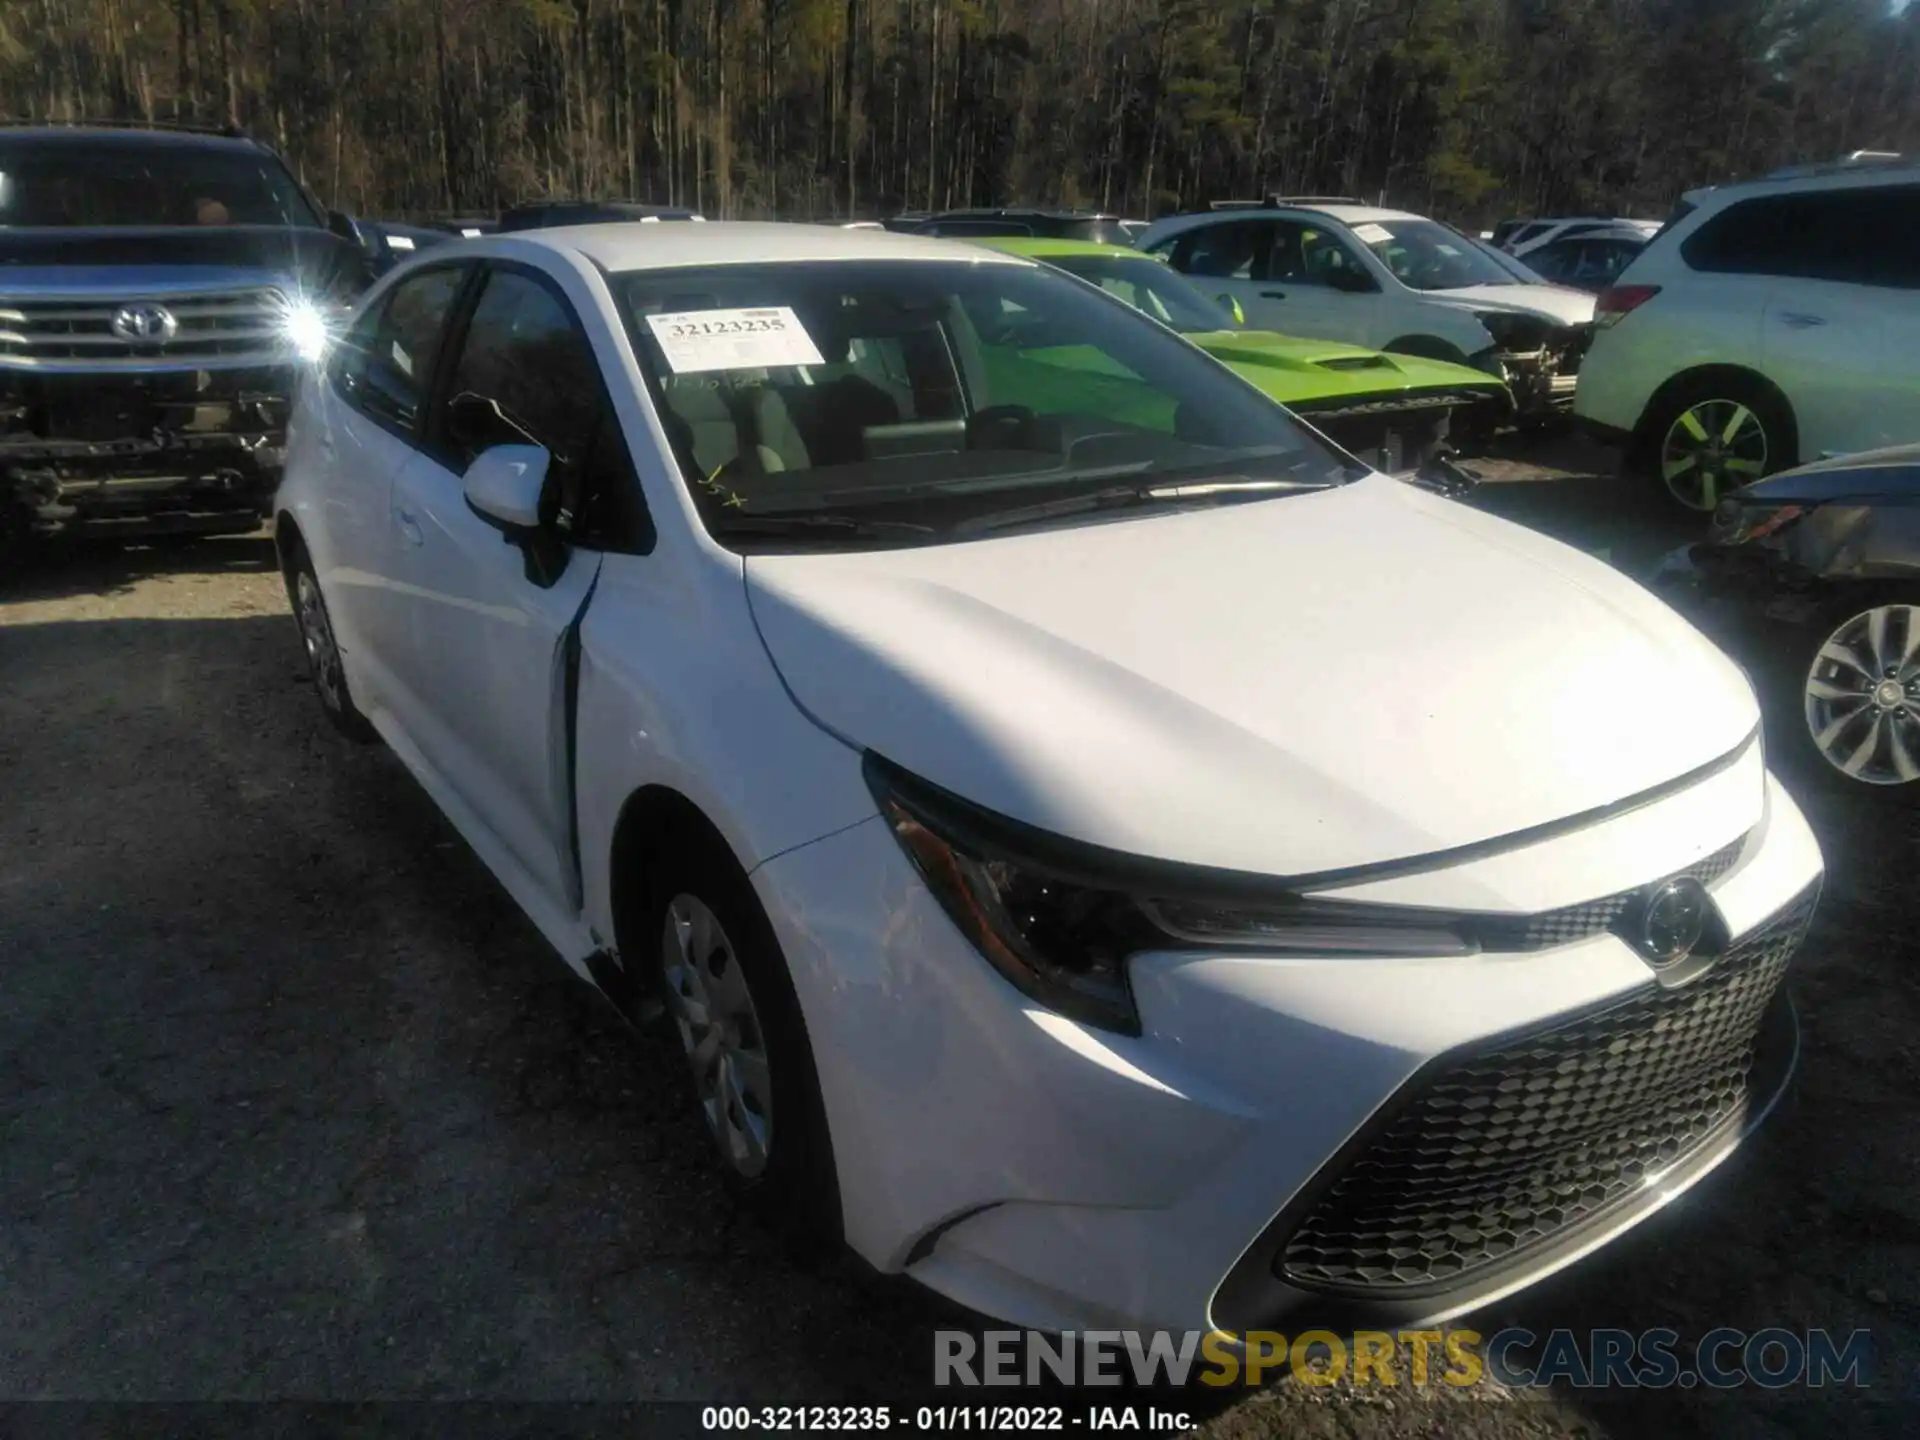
{"x": 1106, "y": 853}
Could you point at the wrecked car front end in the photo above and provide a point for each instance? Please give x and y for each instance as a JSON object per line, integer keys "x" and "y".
{"x": 1538, "y": 358}
{"x": 130, "y": 406}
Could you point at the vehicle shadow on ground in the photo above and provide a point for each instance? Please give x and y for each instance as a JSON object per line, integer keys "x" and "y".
{"x": 297, "y": 1103}
{"x": 62, "y": 570}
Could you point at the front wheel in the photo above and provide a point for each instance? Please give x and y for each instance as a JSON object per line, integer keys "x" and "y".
{"x": 1860, "y": 696}
{"x": 732, "y": 1004}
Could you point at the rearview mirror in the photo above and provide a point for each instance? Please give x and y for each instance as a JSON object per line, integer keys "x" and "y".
{"x": 1233, "y": 308}
{"x": 503, "y": 486}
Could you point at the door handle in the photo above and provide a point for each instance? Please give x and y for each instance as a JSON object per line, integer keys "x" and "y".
{"x": 1273, "y": 294}
{"x": 409, "y": 525}
{"x": 1799, "y": 321}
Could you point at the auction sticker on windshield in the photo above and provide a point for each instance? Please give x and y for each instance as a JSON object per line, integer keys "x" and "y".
{"x": 1371, "y": 234}
{"x": 696, "y": 340}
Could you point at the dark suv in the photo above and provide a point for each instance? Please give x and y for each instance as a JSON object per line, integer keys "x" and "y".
{"x": 160, "y": 293}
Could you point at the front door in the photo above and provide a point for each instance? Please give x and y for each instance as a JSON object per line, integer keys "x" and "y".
{"x": 490, "y": 618}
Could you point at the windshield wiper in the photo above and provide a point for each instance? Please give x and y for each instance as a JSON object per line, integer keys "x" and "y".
{"x": 739, "y": 524}
{"x": 1122, "y": 497}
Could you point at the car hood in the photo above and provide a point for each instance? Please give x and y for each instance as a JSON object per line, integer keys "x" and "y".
{"x": 1289, "y": 686}
{"x": 1562, "y": 305}
{"x": 172, "y": 258}
{"x": 1293, "y": 370}
{"x": 1886, "y": 475}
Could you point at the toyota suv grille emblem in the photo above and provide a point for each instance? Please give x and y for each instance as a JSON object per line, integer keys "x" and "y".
{"x": 143, "y": 322}
{"x": 1671, "y": 921}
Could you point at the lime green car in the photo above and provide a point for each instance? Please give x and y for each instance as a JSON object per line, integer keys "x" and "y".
{"x": 1391, "y": 410}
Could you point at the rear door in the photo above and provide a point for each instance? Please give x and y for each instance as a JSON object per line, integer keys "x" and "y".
{"x": 1832, "y": 336}
{"x": 488, "y": 620}
{"x": 365, "y": 434}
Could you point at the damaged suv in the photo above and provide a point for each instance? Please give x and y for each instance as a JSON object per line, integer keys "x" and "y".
{"x": 159, "y": 292}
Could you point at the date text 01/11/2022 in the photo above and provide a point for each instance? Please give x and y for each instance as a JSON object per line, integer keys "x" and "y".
{"x": 925, "y": 1419}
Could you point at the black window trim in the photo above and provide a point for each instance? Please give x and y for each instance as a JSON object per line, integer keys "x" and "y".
{"x": 430, "y": 444}
{"x": 412, "y": 435}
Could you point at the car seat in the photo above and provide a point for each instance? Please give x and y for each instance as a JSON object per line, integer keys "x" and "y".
{"x": 724, "y": 421}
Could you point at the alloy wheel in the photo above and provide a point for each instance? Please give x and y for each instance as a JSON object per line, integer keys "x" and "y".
{"x": 1863, "y": 696}
{"x": 323, "y": 654}
{"x": 1710, "y": 448}
{"x": 712, "y": 1007}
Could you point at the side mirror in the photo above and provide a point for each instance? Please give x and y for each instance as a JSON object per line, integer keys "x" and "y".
{"x": 503, "y": 486}
{"x": 1351, "y": 282}
{"x": 341, "y": 224}
{"x": 1233, "y": 308}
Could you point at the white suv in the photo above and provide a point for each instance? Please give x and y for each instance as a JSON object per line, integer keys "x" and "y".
{"x": 1770, "y": 323}
{"x": 1386, "y": 280}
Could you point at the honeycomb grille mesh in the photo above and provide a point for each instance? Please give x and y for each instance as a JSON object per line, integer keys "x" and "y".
{"x": 1589, "y": 918}
{"x": 1508, "y": 1149}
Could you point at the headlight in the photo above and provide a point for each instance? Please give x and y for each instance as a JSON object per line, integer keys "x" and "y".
{"x": 1060, "y": 920}
{"x": 307, "y": 328}
{"x": 1735, "y": 523}
{"x": 1513, "y": 331}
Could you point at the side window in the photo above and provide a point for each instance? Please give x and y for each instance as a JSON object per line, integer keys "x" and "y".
{"x": 1235, "y": 250}
{"x": 1855, "y": 236}
{"x": 527, "y": 375}
{"x": 1549, "y": 261}
{"x": 386, "y": 363}
{"x": 1326, "y": 259}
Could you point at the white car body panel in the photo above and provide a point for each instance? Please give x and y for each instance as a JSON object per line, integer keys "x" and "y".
{"x": 1294, "y": 686}
{"x": 1845, "y": 356}
{"x": 1201, "y": 672}
{"x": 1394, "y": 312}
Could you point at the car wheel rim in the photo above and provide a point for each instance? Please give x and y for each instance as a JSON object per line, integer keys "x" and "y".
{"x": 1863, "y": 696}
{"x": 712, "y": 1006}
{"x": 1710, "y": 449}
{"x": 323, "y": 655}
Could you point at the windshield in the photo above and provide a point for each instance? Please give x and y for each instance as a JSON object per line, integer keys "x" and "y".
{"x": 125, "y": 182}
{"x": 927, "y": 396}
{"x": 1426, "y": 255}
{"x": 1151, "y": 288}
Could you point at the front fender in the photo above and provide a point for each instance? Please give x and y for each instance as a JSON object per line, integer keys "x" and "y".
{"x": 676, "y": 690}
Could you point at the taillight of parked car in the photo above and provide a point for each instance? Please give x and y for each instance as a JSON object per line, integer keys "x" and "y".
{"x": 1618, "y": 301}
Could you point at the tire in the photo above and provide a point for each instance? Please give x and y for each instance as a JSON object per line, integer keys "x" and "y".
{"x": 323, "y": 651}
{"x": 1857, "y": 725}
{"x": 1713, "y": 433}
{"x": 730, "y": 1002}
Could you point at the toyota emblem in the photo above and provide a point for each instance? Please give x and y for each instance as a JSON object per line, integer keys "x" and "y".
{"x": 1672, "y": 921}
{"x": 143, "y": 322}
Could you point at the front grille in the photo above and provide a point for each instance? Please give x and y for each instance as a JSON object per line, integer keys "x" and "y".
{"x": 1589, "y": 918}
{"x": 226, "y": 327}
{"x": 1503, "y": 1151}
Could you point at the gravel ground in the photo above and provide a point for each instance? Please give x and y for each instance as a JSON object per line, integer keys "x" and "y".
{"x": 295, "y": 1106}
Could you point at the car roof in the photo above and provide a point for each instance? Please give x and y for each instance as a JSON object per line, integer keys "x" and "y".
{"x": 1838, "y": 177}
{"x": 621, "y": 247}
{"x": 994, "y": 212}
{"x": 52, "y": 135}
{"x": 1345, "y": 214}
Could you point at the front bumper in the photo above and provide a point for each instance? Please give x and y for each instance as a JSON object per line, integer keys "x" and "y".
{"x": 1067, "y": 1178}
{"x": 1543, "y": 380}
{"x": 117, "y": 454}
{"x": 1747, "y": 598}
{"x": 1399, "y": 433}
